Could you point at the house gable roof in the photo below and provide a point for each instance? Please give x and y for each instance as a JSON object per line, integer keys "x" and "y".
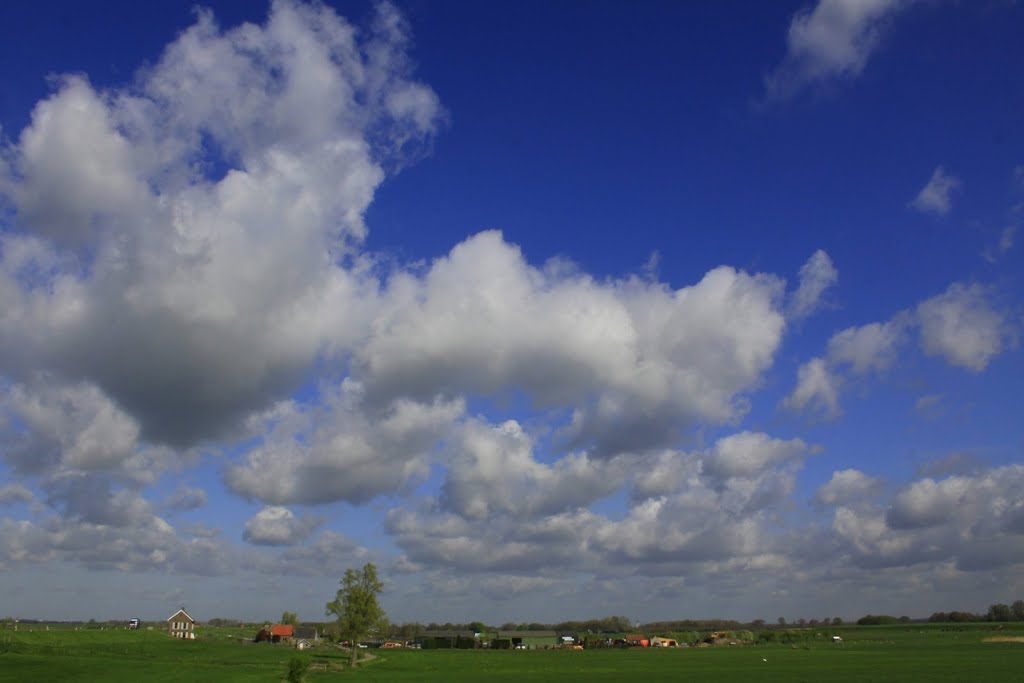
{"x": 181, "y": 615}
{"x": 283, "y": 630}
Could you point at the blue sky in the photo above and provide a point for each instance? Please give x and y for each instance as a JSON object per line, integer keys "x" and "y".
{"x": 552, "y": 310}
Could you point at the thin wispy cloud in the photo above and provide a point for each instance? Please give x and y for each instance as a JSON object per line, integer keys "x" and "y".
{"x": 936, "y": 197}
{"x": 830, "y": 41}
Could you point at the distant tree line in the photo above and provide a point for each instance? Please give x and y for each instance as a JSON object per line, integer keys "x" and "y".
{"x": 802, "y": 623}
{"x": 882, "y": 620}
{"x": 996, "y": 612}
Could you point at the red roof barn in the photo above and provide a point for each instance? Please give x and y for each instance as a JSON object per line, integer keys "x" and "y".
{"x": 279, "y": 632}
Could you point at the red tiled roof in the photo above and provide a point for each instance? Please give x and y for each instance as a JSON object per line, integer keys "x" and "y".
{"x": 283, "y": 630}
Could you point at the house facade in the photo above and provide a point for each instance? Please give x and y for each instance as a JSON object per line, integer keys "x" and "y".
{"x": 181, "y": 625}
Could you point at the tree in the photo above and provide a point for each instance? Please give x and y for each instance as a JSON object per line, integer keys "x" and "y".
{"x": 290, "y": 618}
{"x": 998, "y": 612}
{"x": 383, "y": 628}
{"x": 1017, "y": 608}
{"x": 355, "y": 605}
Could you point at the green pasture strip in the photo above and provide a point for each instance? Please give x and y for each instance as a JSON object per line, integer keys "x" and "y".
{"x": 93, "y": 655}
{"x": 905, "y": 652}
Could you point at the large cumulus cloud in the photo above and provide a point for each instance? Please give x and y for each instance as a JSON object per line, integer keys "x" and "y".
{"x": 176, "y": 243}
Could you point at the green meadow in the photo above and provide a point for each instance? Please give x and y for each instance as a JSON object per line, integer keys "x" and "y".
{"x": 911, "y": 652}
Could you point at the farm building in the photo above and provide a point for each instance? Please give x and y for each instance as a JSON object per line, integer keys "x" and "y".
{"x": 281, "y": 632}
{"x": 181, "y": 625}
{"x": 636, "y": 640}
{"x": 525, "y": 639}
{"x": 448, "y": 640}
{"x": 658, "y": 641}
{"x": 307, "y": 633}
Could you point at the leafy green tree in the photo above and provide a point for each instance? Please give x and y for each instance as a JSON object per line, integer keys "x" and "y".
{"x": 998, "y": 612}
{"x": 290, "y": 618}
{"x": 355, "y": 605}
{"x": 1017, "y": 608}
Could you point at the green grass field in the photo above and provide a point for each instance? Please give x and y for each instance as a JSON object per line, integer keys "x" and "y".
{"x": 884, "y": 653}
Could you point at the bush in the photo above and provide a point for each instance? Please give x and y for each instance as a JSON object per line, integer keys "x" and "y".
{"x": 297, "y": 668}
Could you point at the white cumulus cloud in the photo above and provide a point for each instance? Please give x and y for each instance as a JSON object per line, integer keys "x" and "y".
{"x": 278, "y": 526}
{"x": 869, "y": 347}
{"x": 963, "y": 326}
{"x": 847, "y": 487}
{"x": 192, "y": 224}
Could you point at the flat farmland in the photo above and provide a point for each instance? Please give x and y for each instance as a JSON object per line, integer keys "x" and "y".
{"x": 889, "y": 653}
